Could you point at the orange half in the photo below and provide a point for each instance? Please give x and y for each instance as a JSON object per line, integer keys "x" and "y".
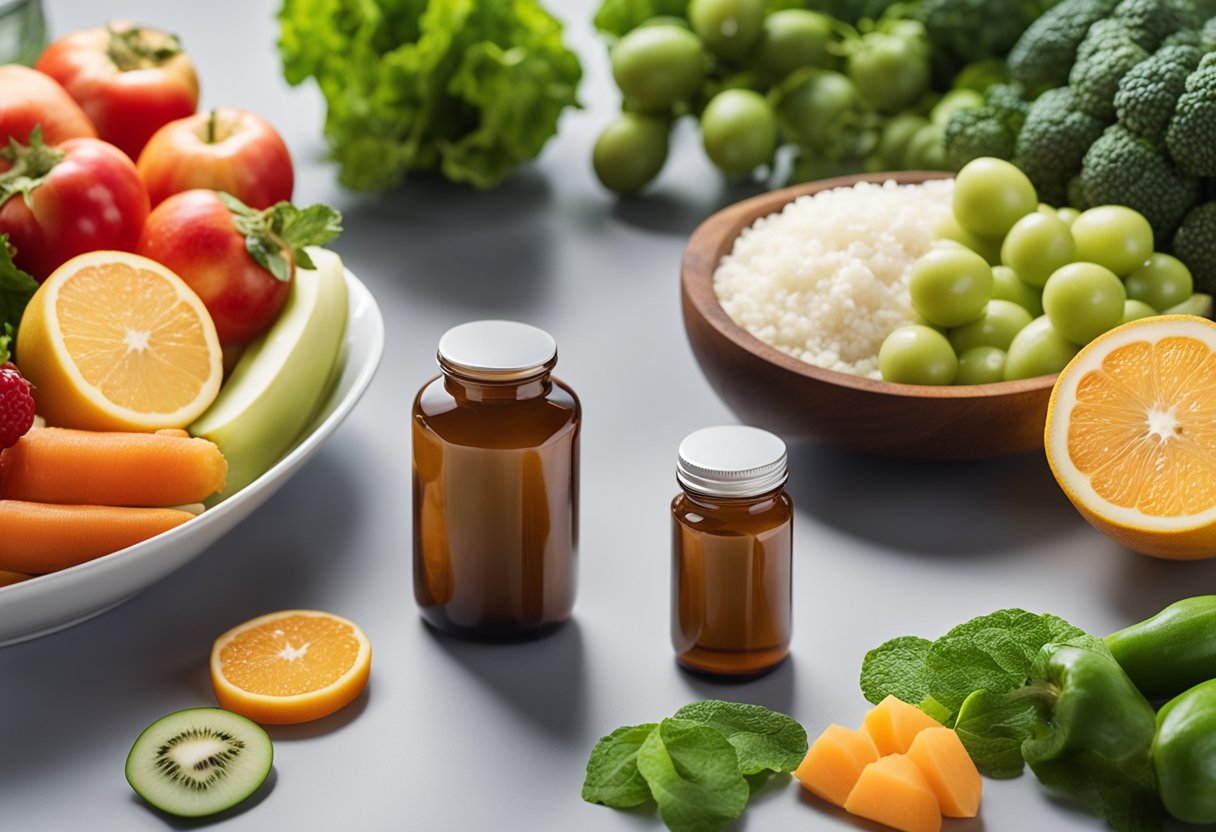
{"x": 115, "y": 341}
{"x": 1131, "y": 435}
{"x": 291, "y": 666}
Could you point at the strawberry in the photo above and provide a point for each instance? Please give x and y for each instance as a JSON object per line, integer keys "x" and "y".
{"x": 16, "y": 405}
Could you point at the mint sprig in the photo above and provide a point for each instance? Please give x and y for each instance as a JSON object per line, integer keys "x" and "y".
{"x": 283, "y": 229}
{"x": 694, "y": 765}
{"x": 16, "y": 289}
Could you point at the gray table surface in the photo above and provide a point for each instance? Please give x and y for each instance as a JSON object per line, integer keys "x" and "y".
{"x": 458, "y": 736}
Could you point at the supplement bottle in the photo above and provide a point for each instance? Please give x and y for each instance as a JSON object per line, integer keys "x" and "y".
{"x": 495, "y": 469}
{"x": 732, "y": 548}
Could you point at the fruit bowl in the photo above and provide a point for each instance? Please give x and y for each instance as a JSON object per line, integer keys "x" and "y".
{"x": 48, "y": 603}
{"x": 769, "y": 389}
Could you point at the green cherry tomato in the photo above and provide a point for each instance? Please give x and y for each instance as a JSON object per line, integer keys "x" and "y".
{"x": 1083, "y": 300}
{"x": 729, "y": 28}
{"x": 990, "y": 195}
{"x": 950, "y": 286}
{"x": 739, "y": 130}
{"x": 1006, "y": 285}
{"x": 1037, "y": 245}
{"x": 657, "y": 66}
{"x": 896, "y": 136}
{"x": 1197, "y": 304}
{"x": 1113, "y": 236}
{"x": 1069, "y": 215}
{"x": 630, "y": 152}
{"x": 892, "y": 72}
{"x": 1161, "y": 282}
{"x": 981, "y": 365}
{"x": 1038, "y": 350}
{"x": 791, "y": 39}
{"x": 1001, "y": 321}
{"x": 815, "y": 109}
{"x": 917, "y": 355}
{"x": 1134, "y": 310}
{"x": 986, "y": 247}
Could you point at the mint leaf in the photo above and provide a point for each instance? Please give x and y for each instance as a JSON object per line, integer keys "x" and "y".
{"x": 897, "y": 668}
{"x": 613, "y": 778}
{"x": 693, "y": 773}
{"x": 993, "y": 727}
{"x": 16, "y": 289}
{"x": 763, "y": 739}
{"x": 282, "y": 229}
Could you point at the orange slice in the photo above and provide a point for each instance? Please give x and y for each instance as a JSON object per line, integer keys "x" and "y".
{"x": 1131, "y": 435}
{"x": 115, "y": 341}
{"x": 290, "y": 666}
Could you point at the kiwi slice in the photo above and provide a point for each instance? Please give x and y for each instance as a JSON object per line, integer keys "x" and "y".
{"x": 199, "y": 761}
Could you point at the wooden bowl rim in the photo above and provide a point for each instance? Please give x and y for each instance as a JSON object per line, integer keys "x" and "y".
{"x": 717, "y": 235}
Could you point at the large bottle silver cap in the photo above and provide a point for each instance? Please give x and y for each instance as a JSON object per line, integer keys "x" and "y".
{"x": 499, "y": 349}
{"x": 732, "y": 461}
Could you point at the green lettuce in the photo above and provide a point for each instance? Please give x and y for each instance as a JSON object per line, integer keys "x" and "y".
{"x": 469, "y": 88}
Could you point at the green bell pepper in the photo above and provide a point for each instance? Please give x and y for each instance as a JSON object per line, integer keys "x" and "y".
{"x": 1172, "y": 651}
{"x": 1184, "y": 754}
{"x": 1094, "y": 739}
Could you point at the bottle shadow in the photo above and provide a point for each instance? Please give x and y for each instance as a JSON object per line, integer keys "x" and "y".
{"x": 773, "y": 690}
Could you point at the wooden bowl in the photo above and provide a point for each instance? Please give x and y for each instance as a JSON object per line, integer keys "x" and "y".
{"x": 769, "y": 389}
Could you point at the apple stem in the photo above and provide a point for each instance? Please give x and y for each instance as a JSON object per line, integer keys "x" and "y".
{"x": 212, "y": 121}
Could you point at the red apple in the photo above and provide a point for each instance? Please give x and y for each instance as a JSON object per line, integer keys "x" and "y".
{"x": 224, "y": 149}
{"x": 239, "y": 261}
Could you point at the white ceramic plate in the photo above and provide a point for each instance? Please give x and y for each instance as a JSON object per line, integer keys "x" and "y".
{"x": 52, "y": 602}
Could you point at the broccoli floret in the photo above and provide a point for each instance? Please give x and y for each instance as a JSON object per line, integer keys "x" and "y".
{"x": 1191, "y": 137}
{"x": 965, "y": 31}
{"x": 1207, "y": 35}
{"x": 1103, "y": 58}
{"x": 1195, "y": 245}
{"x": 988, "y": 130}
{"x": 1184, "y": 37}
{"x": 1149, "y": 93}
{"x": 1150, "y": 21}
{"x": 1121, "y": 169}
{"x": 1053, "y": 141}
{"x": 1045, "y": 53}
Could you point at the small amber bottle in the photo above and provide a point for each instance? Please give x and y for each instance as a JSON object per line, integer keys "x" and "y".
{"x": 732, "y": 548}
{"x": 495, "y": 442}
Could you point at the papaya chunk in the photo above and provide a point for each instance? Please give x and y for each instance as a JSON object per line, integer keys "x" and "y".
{"x": 892, "y": 791}
{"x": 894, "y": 724}
{"x": 947, "y": 767}
{"x": 834, "y": 762}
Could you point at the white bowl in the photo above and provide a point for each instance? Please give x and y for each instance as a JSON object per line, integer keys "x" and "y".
{"x": 42, "y": 605}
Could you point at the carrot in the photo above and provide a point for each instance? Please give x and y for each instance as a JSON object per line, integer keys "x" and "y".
{"x": 80, "y": 467}
{"x": 41, "y": 537}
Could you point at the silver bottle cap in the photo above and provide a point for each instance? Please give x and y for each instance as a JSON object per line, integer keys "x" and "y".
{"x": 732, "y": 461}
{"x": 498, "y": 349}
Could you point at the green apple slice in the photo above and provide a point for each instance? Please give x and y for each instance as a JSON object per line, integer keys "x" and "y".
{"x": 280, "y": 380}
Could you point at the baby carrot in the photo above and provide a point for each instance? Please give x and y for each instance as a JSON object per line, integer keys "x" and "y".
{"x": 81, "y": 467}
{"x": 42, "y": 537}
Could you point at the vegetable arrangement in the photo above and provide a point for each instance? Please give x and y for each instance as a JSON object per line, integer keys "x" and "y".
{"x": 759, "y": 75}
{"x": 1025, "y": 689}
{"x": 112, "y": 347}
{"x": 468, "y": 89}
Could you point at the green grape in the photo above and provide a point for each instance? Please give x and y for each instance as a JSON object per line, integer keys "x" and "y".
{"x": 985, "y": 247}
{"x": 1036, "y": 246}
{"x": 1006, "y": 285}
{"x": 1068, "y": 215}
{"x": 1002, "y": 319}
{"x": 1113, "y": 236}
{"x": 1083, "y": 300}
{"x": 739, "y": 130}
{"x": 728, "y": 28}
{"x": 1197, "y": 304}
{"x": 658, "y": 66}
{"x": 630, "y": 152}
{"x": 791, "y": 39}
{"x": 917, "y": 355}
{"x": 1161, "y": 282}
{"x": 950, "y": 286}
{"x": 1038, "y": 350}
{"x": 1134, "y": 310}
{"x": 990, "y": 195}
{"x": 981, "y": 365}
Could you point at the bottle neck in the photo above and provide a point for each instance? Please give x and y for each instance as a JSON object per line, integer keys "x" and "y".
{"x": 466, "y": 385}
{"x": 710, "y": 502}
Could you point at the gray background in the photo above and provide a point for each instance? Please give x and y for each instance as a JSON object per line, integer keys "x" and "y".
{"x": 459, "y": 736}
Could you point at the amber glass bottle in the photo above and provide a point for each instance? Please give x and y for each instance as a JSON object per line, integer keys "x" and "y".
{"x": 732, "y": 549}
{"x": 496, "y": 485}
